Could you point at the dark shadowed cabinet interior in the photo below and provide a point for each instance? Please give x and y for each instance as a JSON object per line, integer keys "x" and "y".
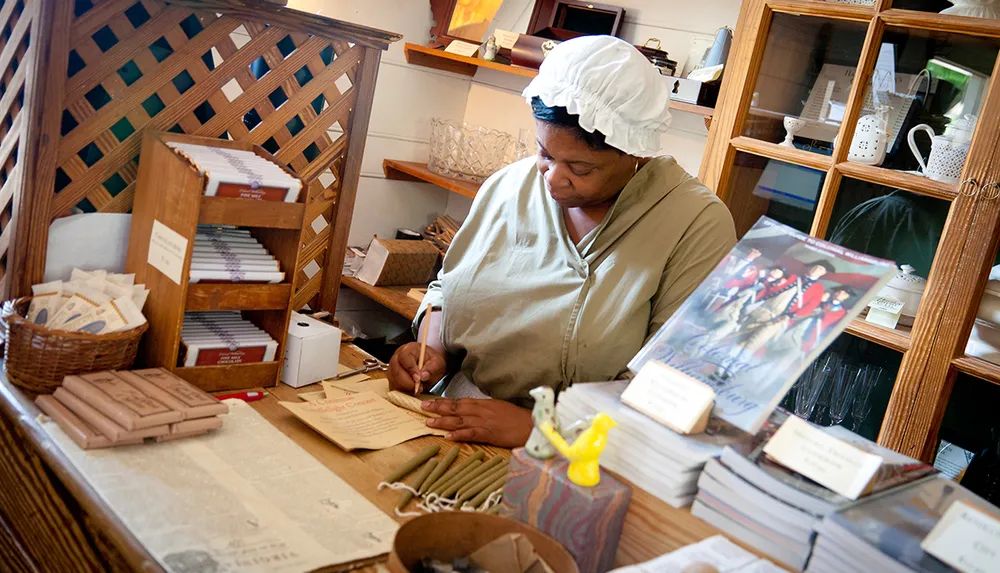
{"x": 875, "y": 126}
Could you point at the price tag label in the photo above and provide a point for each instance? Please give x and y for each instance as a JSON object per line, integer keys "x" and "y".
{"x": 167, "y": 249}
{"x": 884, "y": 311}
{"x": 967, "y": 538}
{"x": 670, "y": 397}
{"x": 828, "y": 461}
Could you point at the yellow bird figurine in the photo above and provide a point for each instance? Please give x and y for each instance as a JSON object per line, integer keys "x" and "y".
{"x": 583, "y": 455}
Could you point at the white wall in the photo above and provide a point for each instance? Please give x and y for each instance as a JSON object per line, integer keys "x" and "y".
{"x": 406, "y": 98}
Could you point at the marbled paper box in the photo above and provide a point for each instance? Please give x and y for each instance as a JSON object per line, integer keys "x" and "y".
{"x": 586, "y": 520}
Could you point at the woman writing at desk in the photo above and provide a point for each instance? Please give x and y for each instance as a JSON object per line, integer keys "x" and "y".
{"x": 570, "y": 260}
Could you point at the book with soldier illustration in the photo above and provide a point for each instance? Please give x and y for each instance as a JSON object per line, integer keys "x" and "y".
{"x": 762, "y": 316}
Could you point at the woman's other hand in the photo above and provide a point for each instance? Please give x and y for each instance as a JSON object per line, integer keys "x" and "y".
{"x": 494, "y": 422}
{"x": 403, "y": 373}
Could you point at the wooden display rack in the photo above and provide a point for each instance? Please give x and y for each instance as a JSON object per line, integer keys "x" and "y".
{"x": 170, "y": 191}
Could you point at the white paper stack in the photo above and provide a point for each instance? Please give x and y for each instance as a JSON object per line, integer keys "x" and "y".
{"x": 225, "y": 337}
{"x": 641, "y": 450}
{"x": 239, "y": 173}
{"x": 228, "y": 254}
{"x": 716, "y": 551}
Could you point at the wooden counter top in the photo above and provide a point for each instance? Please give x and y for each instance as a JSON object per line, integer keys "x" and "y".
{"x": 53, "y": 521}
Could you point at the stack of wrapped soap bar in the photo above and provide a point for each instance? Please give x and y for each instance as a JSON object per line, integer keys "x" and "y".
{"x": 224, "y": 337}
{"x": 228, "y": 254}
{"x": 105, "y": 409}
{"x": 239, "y": 173}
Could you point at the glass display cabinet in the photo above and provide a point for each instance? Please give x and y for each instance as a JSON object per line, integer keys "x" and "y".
{"x": 875, "y": 126}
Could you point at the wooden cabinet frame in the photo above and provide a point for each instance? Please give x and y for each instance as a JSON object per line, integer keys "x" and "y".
{"x": 933, "y": 352}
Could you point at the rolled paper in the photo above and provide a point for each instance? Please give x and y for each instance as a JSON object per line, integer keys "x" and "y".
{"x": 458, "y": 477}
{"x": 483, "y": 495}
{"x": 495, "y": 509}
{"x": 440, "y": 469}
{"x": 405, "y": 469}
{"x": 454, "y": 471}
{"x": 467, "y": 479}
{"x": 407, "y": 495}
{"x": 477, "y": 486}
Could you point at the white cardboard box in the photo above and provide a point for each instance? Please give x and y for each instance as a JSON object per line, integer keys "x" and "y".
{"x": 312, "y": 351}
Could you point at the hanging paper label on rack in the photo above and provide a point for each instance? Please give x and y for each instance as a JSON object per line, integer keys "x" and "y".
{"x": 167, "y": 249}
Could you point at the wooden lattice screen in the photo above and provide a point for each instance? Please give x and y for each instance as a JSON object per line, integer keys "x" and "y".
{"x": 299, "y": 85}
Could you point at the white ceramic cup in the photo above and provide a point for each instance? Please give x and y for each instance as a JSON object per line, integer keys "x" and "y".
{"x": 946, "y": 159}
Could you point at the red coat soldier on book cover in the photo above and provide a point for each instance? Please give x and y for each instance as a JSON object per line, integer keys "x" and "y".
{"x": 765, "y": 312}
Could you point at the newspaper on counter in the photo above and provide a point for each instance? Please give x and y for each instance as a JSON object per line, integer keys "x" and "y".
{"x": 244, "y": 498}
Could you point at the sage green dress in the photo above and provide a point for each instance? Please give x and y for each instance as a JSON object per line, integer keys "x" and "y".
{"x": 527, "y": 307}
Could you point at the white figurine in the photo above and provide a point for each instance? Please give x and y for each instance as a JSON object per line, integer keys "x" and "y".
{"x": 490, "y": 53}
{"x": 538, "y": 445}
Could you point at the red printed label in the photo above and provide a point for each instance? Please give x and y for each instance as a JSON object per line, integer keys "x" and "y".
{"x": 220, "y": 356}
{"x": 241, "y": 191}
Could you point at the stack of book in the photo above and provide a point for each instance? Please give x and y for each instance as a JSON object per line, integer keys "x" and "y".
{"x": 224, "y": 337}
{"x": 775, "y": 509}
{"x": 228, "y": 254}
{"x": 886, "y": 532}
{"x": 106, "y": 409}
{"x": 239, "y": 173}
{"x": 641, "y": 450}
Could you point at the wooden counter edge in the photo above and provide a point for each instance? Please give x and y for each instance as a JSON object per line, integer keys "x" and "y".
{"x": 21, "y": 412}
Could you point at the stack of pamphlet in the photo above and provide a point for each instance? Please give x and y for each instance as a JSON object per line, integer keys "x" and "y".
{"x": 641, "y": 450}
{"x": 775, "y": 509}
{"x": 716, "y": 551}
{"x": 886, "y": 532}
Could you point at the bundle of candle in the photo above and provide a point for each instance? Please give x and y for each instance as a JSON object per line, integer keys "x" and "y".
{"x": 97, "y": 302}
{"x": 228, "y": 254}
{"x": 239, "y": 173}
{"x": 105, "y": 409}
{"x": 473, "y": 484}
{"x": 224, "y": 337}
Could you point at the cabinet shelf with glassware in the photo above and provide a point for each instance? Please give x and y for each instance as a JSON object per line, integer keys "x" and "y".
{"x": 878, "y": 127}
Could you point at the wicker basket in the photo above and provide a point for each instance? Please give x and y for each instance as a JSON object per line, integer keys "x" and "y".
{"x": 37, "y": 359}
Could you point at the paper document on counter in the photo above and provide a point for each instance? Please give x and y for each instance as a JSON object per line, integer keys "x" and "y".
{"x": 362, "y": 421}
{"x": 221, "y": 502}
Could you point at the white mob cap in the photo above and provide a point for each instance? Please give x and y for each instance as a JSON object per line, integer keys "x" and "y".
{"x": 611, "y": 86}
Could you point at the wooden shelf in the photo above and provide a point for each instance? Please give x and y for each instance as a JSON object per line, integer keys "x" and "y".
{"x": 225, "y": 296}
{"x": 251, "y": 213}
{"x": 782, "y": 153}
{"x": 897, "y": 339}
{"x": 979, "y": 368}
{"x": 899, "y": 180}
{"x": 440, "y": 60}
{"x": 218, "y": 378}
{"x": 394, "y": 298}
{"x": 691, "y": 108}
{"x": 415, "y": 171}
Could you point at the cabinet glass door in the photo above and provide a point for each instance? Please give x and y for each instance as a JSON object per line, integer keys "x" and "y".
{"x": 923, "y": 102}
{"x": 801, "y": 89}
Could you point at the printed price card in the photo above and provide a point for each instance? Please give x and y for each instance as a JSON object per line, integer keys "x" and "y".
{"x": 967, "y": 538}
{"x": 167, "y": 249}
{"x": 828, "y": 461}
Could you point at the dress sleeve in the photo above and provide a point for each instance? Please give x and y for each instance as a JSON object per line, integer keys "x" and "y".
{"x": 711, "y": 235}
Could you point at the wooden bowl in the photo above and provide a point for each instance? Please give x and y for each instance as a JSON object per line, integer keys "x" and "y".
{"x": 456, "y": 534}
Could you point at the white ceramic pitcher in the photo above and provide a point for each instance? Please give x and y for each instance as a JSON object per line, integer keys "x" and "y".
{"x": 947, "y": 156}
